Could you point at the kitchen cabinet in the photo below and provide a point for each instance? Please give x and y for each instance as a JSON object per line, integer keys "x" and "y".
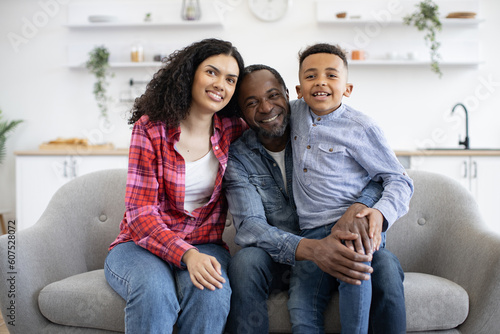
{"x": 477, "y": 173}
{"x": 377, "y": 28}
{"x": 39, "y": 175}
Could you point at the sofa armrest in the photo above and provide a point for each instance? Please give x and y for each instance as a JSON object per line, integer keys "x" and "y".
{"x": 42, "y": 256}
{"x": 443, "y": 234}
{"x": 70, "y": 238}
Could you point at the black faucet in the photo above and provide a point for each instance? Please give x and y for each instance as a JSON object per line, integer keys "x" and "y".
{"x": 466, "y": 141}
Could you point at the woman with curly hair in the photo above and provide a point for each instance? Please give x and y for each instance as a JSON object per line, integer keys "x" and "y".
{"x": 175, "y": 209}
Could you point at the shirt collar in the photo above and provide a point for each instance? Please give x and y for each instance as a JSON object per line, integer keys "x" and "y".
{"x": 334, "y": 114}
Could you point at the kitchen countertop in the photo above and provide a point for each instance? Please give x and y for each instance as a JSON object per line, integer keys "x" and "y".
{"x": 74, "y": 151}
{"x": 124, "y": 151}
{"x": 449, "y": 152}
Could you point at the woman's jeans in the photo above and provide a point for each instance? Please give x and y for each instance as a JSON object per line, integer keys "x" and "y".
{"x": 159, "y": 295}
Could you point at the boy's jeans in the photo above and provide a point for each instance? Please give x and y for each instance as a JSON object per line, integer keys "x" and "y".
{"x": 156, "y": 292}
{"x": 311, "y": 290}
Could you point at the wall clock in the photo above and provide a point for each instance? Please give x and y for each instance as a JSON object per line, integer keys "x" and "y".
{"x": 269, "y": 10}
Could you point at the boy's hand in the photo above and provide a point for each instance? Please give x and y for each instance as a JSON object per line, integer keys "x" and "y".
{"x": 375, "y": 221}
{"x": 349, "y": 222}
{"x": 204, "y": 270}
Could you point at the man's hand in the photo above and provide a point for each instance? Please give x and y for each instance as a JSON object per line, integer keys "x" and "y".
{"x": 375, "y": 222}
{"x": 334, "y": 258}
{"x": 204, "y": 270}
{"x": 351, "y": 222}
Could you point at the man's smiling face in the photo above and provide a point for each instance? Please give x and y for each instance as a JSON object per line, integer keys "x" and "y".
{"x": 264, "y": 104}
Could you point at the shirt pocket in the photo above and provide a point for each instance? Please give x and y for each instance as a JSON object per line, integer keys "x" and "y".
{"x": 269, "y": 192}
{"x": 330, "y": 158}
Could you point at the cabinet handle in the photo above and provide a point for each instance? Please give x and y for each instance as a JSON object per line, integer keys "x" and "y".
{"x": 65, "y": 168}
{"x": 73, "y": 168}
{"x": 474, "y": 168}
{"x": 465, "y": 169}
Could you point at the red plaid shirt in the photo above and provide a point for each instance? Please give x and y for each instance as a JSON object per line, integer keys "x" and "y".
{"x": 155, "y": 218}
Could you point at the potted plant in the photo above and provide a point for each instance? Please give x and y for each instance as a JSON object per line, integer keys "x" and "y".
{"x": 98, "y": 65}
{"x": 6, "y": 127}
{"x": 426, "y": 18}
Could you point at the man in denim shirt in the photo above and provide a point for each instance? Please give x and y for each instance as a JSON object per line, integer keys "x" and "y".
{"x": 258, "y": 184}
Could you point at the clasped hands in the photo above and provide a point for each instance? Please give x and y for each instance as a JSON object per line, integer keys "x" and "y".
{"x": 352, "y": 242}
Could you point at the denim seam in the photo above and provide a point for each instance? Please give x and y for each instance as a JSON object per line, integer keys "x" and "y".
{"x": 121, "y": 280}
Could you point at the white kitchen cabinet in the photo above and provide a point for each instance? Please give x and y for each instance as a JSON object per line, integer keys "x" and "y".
{"x": 39, "y": 176}
{"x": 479, "y": 174}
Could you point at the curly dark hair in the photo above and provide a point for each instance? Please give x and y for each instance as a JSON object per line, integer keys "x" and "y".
{"x": 168, "y": 95}
{"x": 323, "y": 48}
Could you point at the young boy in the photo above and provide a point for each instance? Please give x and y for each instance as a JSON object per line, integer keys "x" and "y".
{"x": 336, "y": 152}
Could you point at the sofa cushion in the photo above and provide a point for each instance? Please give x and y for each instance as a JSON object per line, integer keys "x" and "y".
{"x": 86, "y": 300}
{"x": 432, "y": 303}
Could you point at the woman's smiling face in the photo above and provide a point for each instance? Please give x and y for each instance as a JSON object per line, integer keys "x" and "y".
{"x": 214, "y": 83}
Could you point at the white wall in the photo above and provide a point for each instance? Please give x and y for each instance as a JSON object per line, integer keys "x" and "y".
{"x": 412, "y": 104}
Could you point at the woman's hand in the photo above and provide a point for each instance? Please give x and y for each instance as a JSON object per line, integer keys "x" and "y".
{"x": 204, "y": 270}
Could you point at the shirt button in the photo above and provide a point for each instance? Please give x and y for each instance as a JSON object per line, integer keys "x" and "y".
{"x": 314, "y": 124}
{"x": 331, "y": 150}
{"x": 192, "y": 218}
{"x": 274, "y": 164}
{"x": 216, "y": 147}
{"x": 305, "y": 170}
{"x": 308, "y": 147}
{"x": 318, "y": 119}
{"x": 295, "y": 138}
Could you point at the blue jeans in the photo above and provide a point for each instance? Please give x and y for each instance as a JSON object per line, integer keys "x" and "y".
{"x": 159, "y": 295}
{"x": 311, "y": 290}
{"x": 254, "y": 276}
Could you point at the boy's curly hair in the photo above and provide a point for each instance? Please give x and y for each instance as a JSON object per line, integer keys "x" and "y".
{"x": 168, "y": 95}
{"x": 323, "y": 48}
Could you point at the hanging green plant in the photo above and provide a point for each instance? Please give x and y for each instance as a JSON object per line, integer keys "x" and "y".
{"x": 426, "y": 18}
{"x": 98, "y": 65}
{"x": 6, "y": 127}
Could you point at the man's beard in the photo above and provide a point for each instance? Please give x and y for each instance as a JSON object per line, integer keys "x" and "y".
{"x": 277, "y": 131}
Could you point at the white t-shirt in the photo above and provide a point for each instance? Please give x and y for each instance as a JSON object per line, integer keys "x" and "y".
{"x": 200, "y": 181}
{"x": 279, "y": 157}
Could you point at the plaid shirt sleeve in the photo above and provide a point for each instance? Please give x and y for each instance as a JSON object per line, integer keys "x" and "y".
{"x": 145, "y": 221}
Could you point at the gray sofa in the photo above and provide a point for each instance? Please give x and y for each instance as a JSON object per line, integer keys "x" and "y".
{"x": 451, "y": 261}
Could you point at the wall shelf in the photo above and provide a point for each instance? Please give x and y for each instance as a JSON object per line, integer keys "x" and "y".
{"x": 377, "y": 27}
{"x": 127, "y": 24}
{"x": 162, "y": 14}
{"x": 124, "y": 64}
{"x": 396, "y": 22}
{"x": 382, "y": 62}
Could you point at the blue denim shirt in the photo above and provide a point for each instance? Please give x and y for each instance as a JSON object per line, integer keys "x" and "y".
{"x": 263, "y": 211}
{"x": 335, "y": 156}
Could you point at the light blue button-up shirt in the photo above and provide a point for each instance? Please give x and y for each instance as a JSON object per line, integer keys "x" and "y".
{"x": 334, "y": 157}
{"x": 263, "y": 211}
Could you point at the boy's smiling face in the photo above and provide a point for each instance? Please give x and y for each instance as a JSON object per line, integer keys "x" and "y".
{"x": 323, "y": 82}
